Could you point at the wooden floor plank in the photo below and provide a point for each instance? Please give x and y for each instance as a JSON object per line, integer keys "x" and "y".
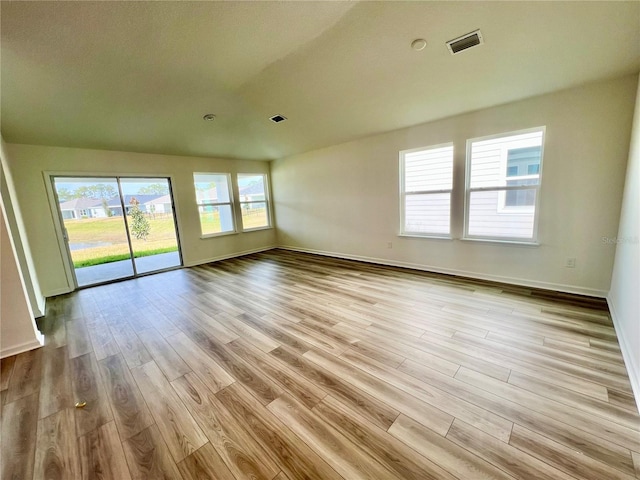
{"x": 178, "y": 428}
{"x": 240, "y": 452}
{"x": 393, "y": 454}
{"x": 19, "y": 429}
{"x": 55, "y": 387}
{"x": 213, "y": 375}
{"x": 248, "y": 333}
{"x": 453, "y": 458}
{"x": 440, "y": 363}
{"x": 284, "y": 366}
{"x": 57, "y": 455}
{"x": 579, "y": 440}
{"x": 205, "y": 464}
{"x": 502, "y": 455}
{"x": 294, "y": 457}
{"x": 129, "y": 408}
{"x": 6, "y": 369}
{"x": 297, "y": 386}
{"x": 436, "y": 419}
{"x": 249, "y": 375}
{"x": 375, "y": 410}
{"x": 78, "y": 341}
{"x": 636, "y": 462}
{"x": 88, "y": 389}
{"x": 584, "y": 403}
{"x": 148, "y": 456}
{"x": 131, "y": 347}
{"x": 561, "y": 457}
{"x": 459, "y": 408}
{"x": 164, "y": 355}
{"x": 26, "y": 376}
{"x": 625, "y": 436}
{"x": 383, "y": 356}
{"x": 623, "y": 400}
{"x": 101, "y": 454}
{"x": 342, "y": 455}
{"x": 104, "y": 345}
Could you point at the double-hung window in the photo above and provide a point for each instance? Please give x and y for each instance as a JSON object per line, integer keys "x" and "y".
{"x": 425, "y": 188}
{"x": 215, "y": 203}
{"x": 503, "y": 185}
{"x": 254, "y": 201}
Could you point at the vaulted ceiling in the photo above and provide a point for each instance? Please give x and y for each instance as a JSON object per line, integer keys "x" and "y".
{"x": 139, "y": 76}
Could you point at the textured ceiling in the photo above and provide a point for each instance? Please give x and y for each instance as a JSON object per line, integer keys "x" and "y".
{"x": 139, "y": 76}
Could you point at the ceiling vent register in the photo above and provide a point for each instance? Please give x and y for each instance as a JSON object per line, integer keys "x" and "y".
{"x": 465, "y": 42}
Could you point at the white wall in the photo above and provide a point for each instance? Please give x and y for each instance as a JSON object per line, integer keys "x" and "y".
{"x": 28, "y": 162}
{"x": 18, "y": 331}
{"x": 624, "y": 301}
{"x": 343, "y": 200}
{"x": 16, "y": 225}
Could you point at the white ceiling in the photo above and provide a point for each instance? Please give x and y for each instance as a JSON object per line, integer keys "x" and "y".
{"x": 139, "y": 76}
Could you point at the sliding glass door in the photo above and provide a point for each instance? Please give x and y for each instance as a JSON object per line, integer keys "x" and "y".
{"x": 117, "y": 227}
{"x": 151, "y": 223}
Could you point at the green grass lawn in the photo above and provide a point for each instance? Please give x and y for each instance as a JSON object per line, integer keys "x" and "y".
{"x": 110, "y": 239}
{"x": 106, "y": 239}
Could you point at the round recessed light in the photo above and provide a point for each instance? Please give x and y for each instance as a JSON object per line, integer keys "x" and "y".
{"x": 209, "y": 117}
{"x": 419, "y": 44}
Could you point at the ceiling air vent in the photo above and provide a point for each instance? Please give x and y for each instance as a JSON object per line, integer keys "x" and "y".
{"x": 464, "y": 42}
{"x": 278, "y": 118}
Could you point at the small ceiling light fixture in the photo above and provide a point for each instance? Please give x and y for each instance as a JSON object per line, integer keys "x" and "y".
{"x": 209, "y": 117}
{"x": 419, "y": 44}
{"x": 278, "y": 118}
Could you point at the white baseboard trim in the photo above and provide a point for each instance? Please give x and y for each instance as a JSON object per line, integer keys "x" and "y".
{"x": 57, "y": 291}
{"x": 23, "y": 347}
{"x": 40, "y": 308}
{"x": 633, "y": 370}
{"x": 591, "y": 292}
{"x": 230, "y": 255}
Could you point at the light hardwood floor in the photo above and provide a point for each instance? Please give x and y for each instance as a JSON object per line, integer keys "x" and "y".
{"x": 289, "y": 366}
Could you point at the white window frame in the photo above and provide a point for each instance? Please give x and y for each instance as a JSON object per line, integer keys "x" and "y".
{"x": 501, "y": 189}
{"x": 230, "y": 203}
{"x": 266, "y": 201}
{"x": 404, "y": 194}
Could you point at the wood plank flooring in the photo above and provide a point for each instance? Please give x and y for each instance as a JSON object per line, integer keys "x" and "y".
{"x": 285, "y": 366}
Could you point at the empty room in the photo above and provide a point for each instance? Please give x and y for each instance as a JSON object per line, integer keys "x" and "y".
{"x": 322, "y": 240}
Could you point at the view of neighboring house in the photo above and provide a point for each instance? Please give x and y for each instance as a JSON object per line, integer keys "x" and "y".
{"x": 82, "y": 208}
{"x": 206, "y": 196}
{"x": 253, "y": 192}
{"x": 160, "y": 204}
{"x": 95, "y": 208}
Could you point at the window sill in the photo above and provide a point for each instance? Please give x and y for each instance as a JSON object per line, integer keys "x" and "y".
{"x": 257, "y": 229}
{"x": 516, "y": 243}
{"x": 433, "y": 237}
{"x": 214, "y": 235}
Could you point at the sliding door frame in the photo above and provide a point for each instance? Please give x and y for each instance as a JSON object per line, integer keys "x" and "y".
{"x": 58, "y": 222}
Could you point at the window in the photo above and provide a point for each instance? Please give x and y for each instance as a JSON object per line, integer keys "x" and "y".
{"x": 254, "y": 201}
{"x": 215, "y": 203}
{"x": 503, "y": 183}
{"x": 426, "y": 177}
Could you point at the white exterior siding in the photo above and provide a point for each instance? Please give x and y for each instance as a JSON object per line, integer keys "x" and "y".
{"x": 486, "y": 218}
{"x": 428, "y": 213}
{"x": 488, "y": 215}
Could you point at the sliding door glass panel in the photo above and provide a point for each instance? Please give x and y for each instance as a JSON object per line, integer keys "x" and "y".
{"x": 94, "y": 228}
{"x": 151, "y": 223}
